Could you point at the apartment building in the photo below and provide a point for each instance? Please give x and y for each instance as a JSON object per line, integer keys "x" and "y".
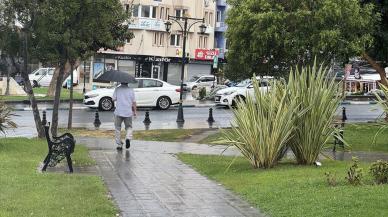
{"x": 155, "y": 53}
{"x": 221, "y": 27}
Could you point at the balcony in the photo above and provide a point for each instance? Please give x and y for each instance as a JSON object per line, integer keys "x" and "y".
{"x": 221, "y": 3}
{"x": 221, "y": 27}
{"x": 147, "y": 24}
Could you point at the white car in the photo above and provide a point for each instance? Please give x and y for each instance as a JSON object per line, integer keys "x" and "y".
{"x": 199, "y": 81}
{"x": 229, "y": 96}
{"x": 43, "y": 76}
{"x": 149, "y": 92}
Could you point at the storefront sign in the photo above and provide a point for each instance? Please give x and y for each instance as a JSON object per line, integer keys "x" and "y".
{"x": 147, "y": 23}
{"x": 204, "y": 54}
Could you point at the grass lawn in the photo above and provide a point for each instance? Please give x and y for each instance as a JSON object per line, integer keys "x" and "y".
{"x": 174, "y": 135}
{"x": 26, "y": 192}
{"x": 65, "y": 94}
{"x": 291, "y": 190}
{"x": 359, "y": 136}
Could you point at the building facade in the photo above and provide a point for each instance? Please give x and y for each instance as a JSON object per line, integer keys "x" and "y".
{"x": 155, "y": 53}
{"x": 221, "y": 27}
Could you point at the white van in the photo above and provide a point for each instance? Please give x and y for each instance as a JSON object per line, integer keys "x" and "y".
{"x": 43, "y": 76}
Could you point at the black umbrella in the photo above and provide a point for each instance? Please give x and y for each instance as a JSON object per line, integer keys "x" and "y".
{"x": 117, "y": 76}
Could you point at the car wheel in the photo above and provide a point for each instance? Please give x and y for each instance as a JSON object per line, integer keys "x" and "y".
{"x": 106, "y": 104}
{"x": 237, "y": 99}
{"x": 163, "y": 103}
{"x": 35, "y": 84}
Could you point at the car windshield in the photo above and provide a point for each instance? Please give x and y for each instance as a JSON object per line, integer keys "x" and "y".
{"x": 244, "y": 83}
{"x": 193, "y": 79}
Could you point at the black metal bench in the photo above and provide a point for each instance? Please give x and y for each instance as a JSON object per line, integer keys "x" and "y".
{"x": 60, "y": 147}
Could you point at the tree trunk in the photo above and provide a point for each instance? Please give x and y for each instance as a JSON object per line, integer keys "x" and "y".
{"x": 9, "y": 68}
{"x": 29, "y": 91}
{"x": 53, "y": 83}
{"x": 59, "y": 80}
{"x": 70, "y": 121}
{"x": 377, "y": 67}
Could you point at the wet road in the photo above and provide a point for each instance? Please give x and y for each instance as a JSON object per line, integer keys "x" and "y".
{"x": 195, "y": 118}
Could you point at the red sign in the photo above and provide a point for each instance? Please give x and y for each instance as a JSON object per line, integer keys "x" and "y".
{"x": 204, "y": 54}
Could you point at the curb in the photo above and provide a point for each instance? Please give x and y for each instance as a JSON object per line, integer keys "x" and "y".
{"x": 359, "y": 103}
{"x": 27, "y": 102}
{"x": 196, "y": 106}
{"x": 49, "y": 109}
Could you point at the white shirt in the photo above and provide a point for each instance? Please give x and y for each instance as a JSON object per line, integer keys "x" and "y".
{"x": 125, "y": 98}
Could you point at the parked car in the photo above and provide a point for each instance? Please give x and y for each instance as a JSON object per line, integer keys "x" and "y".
{"x": 199, "y": 81}
{"x": 43, "y": 76}
{"x": 149, "y": 92}
{"x": 231, "y": 95}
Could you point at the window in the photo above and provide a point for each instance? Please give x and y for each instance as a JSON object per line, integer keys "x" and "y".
{"x": 148, "y": 83}
{"x": 219, "y": 16}
{"x": 154, "y": 10}
{"x": 211, "y": 19}
{"x": 180, "y": 12}
{"x": 145, "y": 11}
{"x": 206, "y": 17}
{"x": 156, "y": 37}
{"x": 200, "y": 41}
{"x": 51, "y": 71}
{"x": 204, "y": 42}
{"x": 161, "y": 15}
{"x": 175, "y": 40}
{"x": 161, "y": 41}
{"x": 135, "y": 11}
{"x": 126, "y": 8}
{"x": 167, "y": 13}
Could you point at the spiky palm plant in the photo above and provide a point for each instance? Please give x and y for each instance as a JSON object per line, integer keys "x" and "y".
{"x": 317, "y": 96}
{"x": 383, "y": 100}
{"x": 5, "y": 118}
{"x": 263, "y": 125}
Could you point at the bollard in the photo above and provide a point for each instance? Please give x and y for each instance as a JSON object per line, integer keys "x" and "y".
{"x": 210, "y": 119}
{"x": 147, "y": 119}
{"x": 344, "y": 117}
{"x": 97, "y": 122}
{"x": 44, "y": 119}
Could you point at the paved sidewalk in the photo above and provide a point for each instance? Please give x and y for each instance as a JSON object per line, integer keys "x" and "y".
{"x": 148, "y": 180}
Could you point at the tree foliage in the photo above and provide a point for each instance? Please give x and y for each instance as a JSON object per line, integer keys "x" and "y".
{"x": 268, "y": 36}
{"x": 379, "y": 49}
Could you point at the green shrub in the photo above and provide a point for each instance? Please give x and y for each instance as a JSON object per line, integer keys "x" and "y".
{"x": 379, "y": 171}
{"x": 331, "y": 179}
{"x": 202, "y": 93}
{"x": 263, "y": 125}
{"x": 318, "y": 101}
{"x": 355, "y": 173}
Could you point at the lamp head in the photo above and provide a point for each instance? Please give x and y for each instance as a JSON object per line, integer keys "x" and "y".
{"x": 168, "y": 25}
{"x": 202, "y": 28}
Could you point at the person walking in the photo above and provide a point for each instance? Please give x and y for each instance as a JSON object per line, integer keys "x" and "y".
{"x": 124, "y": 97}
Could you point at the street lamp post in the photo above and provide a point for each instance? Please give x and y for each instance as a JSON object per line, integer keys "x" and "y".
{"x": 185, "y": 29}
{"x": 84, "y": 90}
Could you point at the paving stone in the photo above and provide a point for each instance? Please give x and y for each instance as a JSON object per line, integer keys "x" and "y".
{"x": 149, "y": 180}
